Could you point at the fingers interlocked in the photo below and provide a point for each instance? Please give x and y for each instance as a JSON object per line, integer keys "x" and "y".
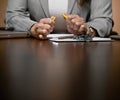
{"x": 76, "y": 24}
{"x": 41, "y": 29}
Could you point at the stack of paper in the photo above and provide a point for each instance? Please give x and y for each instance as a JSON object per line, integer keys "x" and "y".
{"x": 70, "y": 37}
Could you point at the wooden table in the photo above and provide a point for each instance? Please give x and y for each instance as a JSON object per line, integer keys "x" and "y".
{"x": 31, "y": 69}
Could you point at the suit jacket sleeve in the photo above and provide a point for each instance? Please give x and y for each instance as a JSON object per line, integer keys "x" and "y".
{"x": 101, "y": 16}
{"x": 17, "y": 15}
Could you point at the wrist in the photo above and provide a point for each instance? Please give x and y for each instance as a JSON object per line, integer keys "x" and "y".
{"x": 91, "y": 31}
{"x": 31, "y": 30}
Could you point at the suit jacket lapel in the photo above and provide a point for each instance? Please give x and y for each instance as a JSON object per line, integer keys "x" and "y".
{"x": 71, "y": 4}
{"x": 44, "y": 4}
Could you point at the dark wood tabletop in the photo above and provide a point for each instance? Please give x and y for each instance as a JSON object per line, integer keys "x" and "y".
{"x": 32, "y": 69}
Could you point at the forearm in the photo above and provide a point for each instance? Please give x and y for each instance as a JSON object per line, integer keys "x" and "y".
{"x": 17, "y": 15}
{"x": 19, "y": 23}
{"x": 101, "y": 17}
{"x": 103, "y": 26}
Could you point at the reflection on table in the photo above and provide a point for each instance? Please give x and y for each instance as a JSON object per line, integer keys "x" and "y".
{"x": 31, "y": 69}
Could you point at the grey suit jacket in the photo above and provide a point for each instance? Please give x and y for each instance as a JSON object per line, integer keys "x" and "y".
{"x": 22, "y": 14}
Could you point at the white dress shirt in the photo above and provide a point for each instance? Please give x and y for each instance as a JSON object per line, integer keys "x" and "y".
{"x": 56, "y": 8}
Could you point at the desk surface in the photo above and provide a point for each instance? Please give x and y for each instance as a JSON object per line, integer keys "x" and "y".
{"x": 31, "y": 69}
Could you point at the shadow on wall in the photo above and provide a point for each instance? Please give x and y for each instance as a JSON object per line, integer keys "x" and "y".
{"x": 116, "y": 15}
{"x": 3, "y": 4}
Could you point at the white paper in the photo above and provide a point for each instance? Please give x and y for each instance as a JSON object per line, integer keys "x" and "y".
{"x": 58, "y": 35}
{"x": 55, "y": 37}
{"x": 101, "y": 39}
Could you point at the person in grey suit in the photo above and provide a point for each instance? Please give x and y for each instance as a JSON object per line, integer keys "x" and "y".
{"x": 83, "y": 16}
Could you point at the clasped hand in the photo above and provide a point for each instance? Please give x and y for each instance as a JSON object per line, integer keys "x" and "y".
{"x": 75, "y": 25}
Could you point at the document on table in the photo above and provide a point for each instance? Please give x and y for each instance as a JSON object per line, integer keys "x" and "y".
{"x": 60, "y": 35}
{"x": 70, "y": 38}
